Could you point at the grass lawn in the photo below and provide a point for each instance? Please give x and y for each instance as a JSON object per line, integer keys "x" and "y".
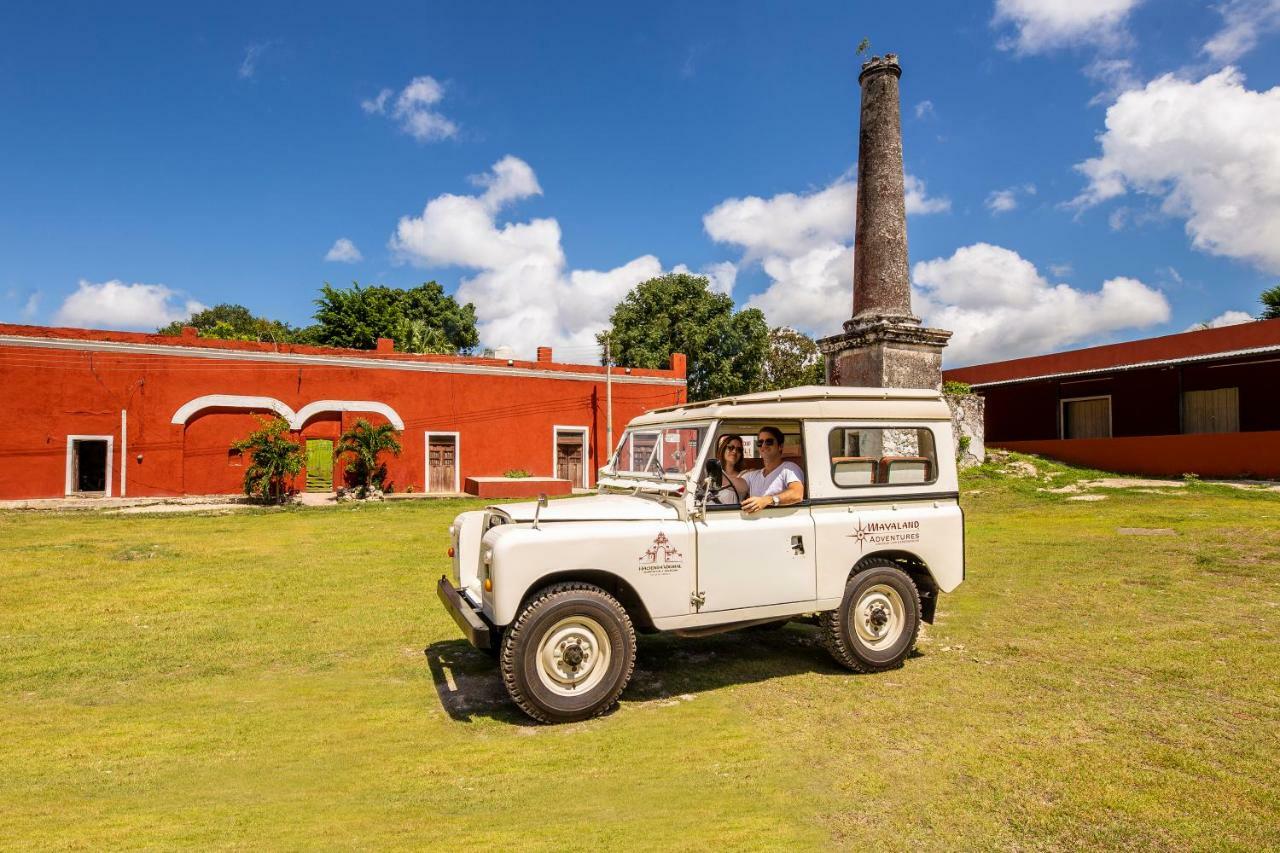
{"x": 259, "y": 680}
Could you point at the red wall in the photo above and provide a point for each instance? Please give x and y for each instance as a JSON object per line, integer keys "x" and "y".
{"x": 505, "y": 420}
{"x": 1232, "y": 454}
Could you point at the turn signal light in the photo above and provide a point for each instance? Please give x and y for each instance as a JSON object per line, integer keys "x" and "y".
{"x": 488, "y": 584}
{"x": 451, "y": 553}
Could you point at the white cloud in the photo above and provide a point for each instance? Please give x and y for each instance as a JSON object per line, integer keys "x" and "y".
{"x": 1226, "y": 318}
{"x": 924, "y": 109}
{"x": 1116, "y": 76}
{"x": 31, "y": 305}
{"x": 1003, "y": 201}
{"x": 803, "y": 244}
{"x": 116, "y": 305}
{"x": 415, "y": 109}
{"x": 1243, "y": 23}
{"x": 343, "y": 251}
{"x": 523, "y": 292}
{"x": 252, "y": 53}
{"x": 1043, "y": 25}
{"x": 999, "y": 306}
{"x": 1208, "y": 150}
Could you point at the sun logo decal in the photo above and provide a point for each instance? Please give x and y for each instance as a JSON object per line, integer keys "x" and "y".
{"x": 860, "y": 533}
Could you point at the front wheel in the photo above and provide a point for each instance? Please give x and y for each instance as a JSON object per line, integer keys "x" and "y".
{"x": 876, "y": 624}
{"x": 569, "y": 654}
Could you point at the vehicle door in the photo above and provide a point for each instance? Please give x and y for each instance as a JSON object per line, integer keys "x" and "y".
{"x": 761, "y": 558}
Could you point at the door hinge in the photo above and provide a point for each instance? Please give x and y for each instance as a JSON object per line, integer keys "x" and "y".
{"x": 697, "y": 600}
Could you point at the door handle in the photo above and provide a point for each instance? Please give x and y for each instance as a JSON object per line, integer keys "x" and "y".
{"x": 797, "y": 544}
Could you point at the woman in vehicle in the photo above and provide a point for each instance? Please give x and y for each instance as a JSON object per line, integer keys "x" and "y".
{"x": 778, "y": 483}
{"x": 734, "y": 487}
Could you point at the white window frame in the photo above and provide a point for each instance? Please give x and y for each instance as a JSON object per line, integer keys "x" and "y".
{"x": 1062, "y": 412}
{"x": 71, "y": 452}
{"x": 556, "y": 429}
{"x": 457, "y": 460}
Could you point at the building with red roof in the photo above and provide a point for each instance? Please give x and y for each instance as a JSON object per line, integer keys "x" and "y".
{"x": 1204, "y": 402}
{"x": 124, "y": 414}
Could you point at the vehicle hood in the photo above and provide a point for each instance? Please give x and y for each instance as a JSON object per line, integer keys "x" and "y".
{"x": 594, "y": 508}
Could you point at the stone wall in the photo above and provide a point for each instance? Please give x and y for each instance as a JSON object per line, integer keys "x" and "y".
{"x": 966, "y": 420}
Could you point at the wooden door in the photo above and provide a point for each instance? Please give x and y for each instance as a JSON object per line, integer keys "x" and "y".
{"x": 1089, "y": 418}
{"x": 569, "y": 456}
{"x": 442, "y": 461}
{"x": 319, "y": 465}
{"x": 1211, "y": 411}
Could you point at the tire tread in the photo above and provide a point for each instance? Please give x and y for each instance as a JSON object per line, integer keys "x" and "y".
{"x": 509, "y": 664}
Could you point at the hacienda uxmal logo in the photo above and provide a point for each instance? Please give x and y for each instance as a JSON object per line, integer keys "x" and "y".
{"x": 885, "y": 532}
{"x": 662, "y": 558}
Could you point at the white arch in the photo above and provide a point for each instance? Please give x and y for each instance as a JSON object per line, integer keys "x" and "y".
{"x": 232, "y": 401}
{"x": 310, "y": 410}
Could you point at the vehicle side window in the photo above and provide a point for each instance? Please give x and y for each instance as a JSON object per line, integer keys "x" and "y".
{"x": 747, "y": 431}
{"x": 882, "y": 456}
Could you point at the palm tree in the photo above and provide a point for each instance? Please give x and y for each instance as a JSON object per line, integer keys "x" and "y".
{"x": 1270, "y": 300}
{"x": 274, "y": 458}
{"x": 365, "y": 442}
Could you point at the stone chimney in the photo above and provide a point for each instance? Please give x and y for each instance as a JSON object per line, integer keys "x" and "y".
{"x": 883, "y": 344}
{"x": 544, "y": 354}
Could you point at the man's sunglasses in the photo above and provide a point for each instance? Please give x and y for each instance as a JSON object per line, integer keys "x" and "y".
{"x": 766, "y": 442}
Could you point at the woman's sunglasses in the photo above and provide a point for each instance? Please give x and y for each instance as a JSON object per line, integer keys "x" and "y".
{"x": 736, "y": 448}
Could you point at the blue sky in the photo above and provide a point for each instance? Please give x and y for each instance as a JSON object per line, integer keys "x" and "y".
{"x": 160, "y": 157}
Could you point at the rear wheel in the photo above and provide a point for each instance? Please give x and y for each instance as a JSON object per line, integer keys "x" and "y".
{"x": 876, "y": 624}
{"x": 569, "y": 654}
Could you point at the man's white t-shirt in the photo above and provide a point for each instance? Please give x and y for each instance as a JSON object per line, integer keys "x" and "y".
{"x": 777, "y": 481}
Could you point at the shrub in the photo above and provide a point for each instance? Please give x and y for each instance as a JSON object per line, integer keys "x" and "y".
{"x": 956, "y": 389}
{"x": 964, "y": 443}
{"x": 516, "y": 474}
{"x": 274, "y": 458}
{"x": 364, "y": 443}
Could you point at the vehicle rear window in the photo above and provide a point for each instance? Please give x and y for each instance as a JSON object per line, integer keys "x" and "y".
{"x": 882, "y": 456}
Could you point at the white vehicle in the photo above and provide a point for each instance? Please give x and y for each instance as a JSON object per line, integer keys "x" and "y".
{"x": 556, "y": 591}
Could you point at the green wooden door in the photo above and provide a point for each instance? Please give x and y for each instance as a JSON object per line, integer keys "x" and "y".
{"x": 319, "y": 465}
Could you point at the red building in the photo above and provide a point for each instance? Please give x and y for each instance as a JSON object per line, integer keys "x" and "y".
{"x": 124, "y": 414}
{"x": 1204, "y": 402}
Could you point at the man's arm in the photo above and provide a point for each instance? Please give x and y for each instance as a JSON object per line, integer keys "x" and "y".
{"x": 793, "y": 494}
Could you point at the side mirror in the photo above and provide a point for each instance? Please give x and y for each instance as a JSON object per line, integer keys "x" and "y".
{"x": 715, "y": 470}
{"x": 542, "y": 502}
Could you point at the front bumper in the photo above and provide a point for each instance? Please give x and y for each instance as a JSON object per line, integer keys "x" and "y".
{"x": 475, "y": 627}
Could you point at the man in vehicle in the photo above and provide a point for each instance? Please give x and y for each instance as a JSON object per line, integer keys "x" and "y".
{"x": 777, "y": 483}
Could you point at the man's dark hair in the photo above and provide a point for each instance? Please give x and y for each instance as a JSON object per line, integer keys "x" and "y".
{"x": 773, "y": 431}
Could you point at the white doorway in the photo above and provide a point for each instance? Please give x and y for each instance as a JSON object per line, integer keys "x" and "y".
{"x": 570, "y": 454}
{"x": 444, "y": 464}
{"x": 89, "y": 463}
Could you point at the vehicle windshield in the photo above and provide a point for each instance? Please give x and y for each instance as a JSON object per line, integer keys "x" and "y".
{"x": 659, "y": 450}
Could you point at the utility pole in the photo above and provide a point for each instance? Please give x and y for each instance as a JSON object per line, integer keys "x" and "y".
{"x": 608, "y": 391}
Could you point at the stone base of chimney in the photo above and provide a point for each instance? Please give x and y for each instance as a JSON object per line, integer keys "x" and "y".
{"x": 881, "y": 353}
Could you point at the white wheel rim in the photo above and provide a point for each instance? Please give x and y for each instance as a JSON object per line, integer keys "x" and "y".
{"x": 879, "y": 617}
{"x": 574, "y": 656}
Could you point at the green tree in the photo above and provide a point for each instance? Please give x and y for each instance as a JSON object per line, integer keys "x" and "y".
{"x": 793, "y": 359}
{"x": 364, "y": 443}
{"x": 274, "y": 458}
{"x": 421, "y": 319}
{"x": 234, "y": 323}
{"x": 679, "y": 313}
{"x": 1270, "y": 300}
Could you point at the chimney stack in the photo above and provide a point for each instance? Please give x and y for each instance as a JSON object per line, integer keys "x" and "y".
{"x": 544, "y": 354}
{"x": 883, "y": 344}
{"x": 881, "y": 280}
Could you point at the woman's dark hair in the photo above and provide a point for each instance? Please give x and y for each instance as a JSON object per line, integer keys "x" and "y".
{"x": 724, "y": 443}
{"x": 773, "y": 431}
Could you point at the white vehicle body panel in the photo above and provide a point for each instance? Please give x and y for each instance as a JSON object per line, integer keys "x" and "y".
{"x": 525, "y": 559}
{"x": 746, "y": 559}
{"x": 691, "y": 566}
